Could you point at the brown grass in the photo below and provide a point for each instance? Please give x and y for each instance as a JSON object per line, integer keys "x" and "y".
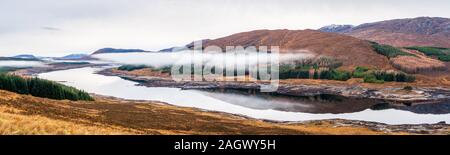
{"x": 351, "y": 51}
{"x": 13, "y": 123}
{"x": 21, "y": 114}
{"x": 144, "y": 72}
{"x": 418, "y": 64}
{"x": 428, "y": 79}
{"x": 400, "y": 39}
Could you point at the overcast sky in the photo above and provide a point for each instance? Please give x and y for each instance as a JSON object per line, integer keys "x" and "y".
{"x": 56, "y": 27}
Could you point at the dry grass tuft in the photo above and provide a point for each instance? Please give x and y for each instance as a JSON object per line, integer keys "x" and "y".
{"x": 417, "y": 64}
{"x": 13, "y": 123}
{"x": 28, "y": 115}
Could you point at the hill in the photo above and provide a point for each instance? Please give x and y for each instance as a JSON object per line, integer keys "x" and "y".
{"x": 23, "y": 114}
{"x": 114, "y": 50}
{"x": 421, "y": 31}
{"x": 26, "y": 56}
{"x": 18, "y": 59}
{"x": 336, "y": 28}
{"x": 76, "y": 57}
{"x": 351, "y": 51}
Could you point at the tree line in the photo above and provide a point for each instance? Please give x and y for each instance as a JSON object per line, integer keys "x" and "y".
{"x": 389, "y": 51}
{"x": 41, "y": 88}
{"x": 442, "y": 54}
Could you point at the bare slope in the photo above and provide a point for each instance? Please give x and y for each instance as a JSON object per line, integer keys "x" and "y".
{"x": 351, "y": 51}
{"x": 421, "y": 31}
{"x": 21, "y": 114}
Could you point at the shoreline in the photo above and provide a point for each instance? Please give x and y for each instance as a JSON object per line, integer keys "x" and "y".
{"x": 437, "y": 128}
{"x": 161, "y": 82}
{"x": 109, "y": 115}
{"x": 440, "y": 128}
{"x": 391, "y": 95}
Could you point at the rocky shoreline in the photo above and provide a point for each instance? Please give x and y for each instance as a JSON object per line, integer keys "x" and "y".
{"x": 423, "y": 96}
{"x": 305, "y": 90}
{"x": 440, "y": 128}
{"x": 390, "y": 95}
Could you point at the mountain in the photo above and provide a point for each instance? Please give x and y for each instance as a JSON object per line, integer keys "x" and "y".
{"x": 185, "y": 47}
{"x": 174, "y": 49}
{"x": 421, "y": 31}
{"x": 23, "y": 57}
{"x": 113, "y": 50}
{"x": 351, "y": 51}
{"x": 75, "y": 57}
{"x": 336, "y": 28}
{"x": 26, "y": 56}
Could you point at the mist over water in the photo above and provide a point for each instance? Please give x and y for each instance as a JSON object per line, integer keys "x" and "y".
{"x": 158, "y": 59}
{"x": 259, "y": 106}
{"x": 21, "y": 64}
{"x": 87, "y": 80}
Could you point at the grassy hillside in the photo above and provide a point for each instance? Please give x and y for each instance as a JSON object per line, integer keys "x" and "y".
{"x": 351, "y": 51}
{"x": 389, "y": 51}
{"x": 23, "y": 114}
{"x": 421, "y": 31}
{"x": 12, "y": 122}
{"x": 442, "y": 54}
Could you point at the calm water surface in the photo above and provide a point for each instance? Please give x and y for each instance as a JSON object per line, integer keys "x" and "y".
{"x": 260, "y": 106}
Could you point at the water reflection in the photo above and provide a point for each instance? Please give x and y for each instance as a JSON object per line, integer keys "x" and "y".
{"x": 431, "y": 108}
{"x": 256, "y": 106}
{"x": 319, "y": 104}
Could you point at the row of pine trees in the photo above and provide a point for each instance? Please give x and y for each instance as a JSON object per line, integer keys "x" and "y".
{"x": 41, "y": 88}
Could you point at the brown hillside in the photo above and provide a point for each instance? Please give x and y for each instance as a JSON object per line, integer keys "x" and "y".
{"x": 351, "y": 51}
{"x": 422, "y": 31}
{"x": 27, "y": 115}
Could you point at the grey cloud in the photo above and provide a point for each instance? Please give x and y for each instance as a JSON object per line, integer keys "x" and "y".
{"x": 86, "y": 25}
{"x": 50, "y": 28}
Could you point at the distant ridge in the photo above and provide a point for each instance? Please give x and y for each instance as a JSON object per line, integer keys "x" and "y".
{"x": 337, "y": 28}
{"x": 174, "y": 49}
{"x": 114, "y": 50}
{"x": 22, "y": 57}
{"x": 185, "y": 47}
{"x": 421, "y": 31}
{"x": 17, "y": 59}
{"x": 76, "y": 57}
{"x": 26, "y": 56}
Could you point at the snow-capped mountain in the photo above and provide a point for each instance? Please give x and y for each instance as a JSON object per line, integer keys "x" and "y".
{"x": 336, "y": 28}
